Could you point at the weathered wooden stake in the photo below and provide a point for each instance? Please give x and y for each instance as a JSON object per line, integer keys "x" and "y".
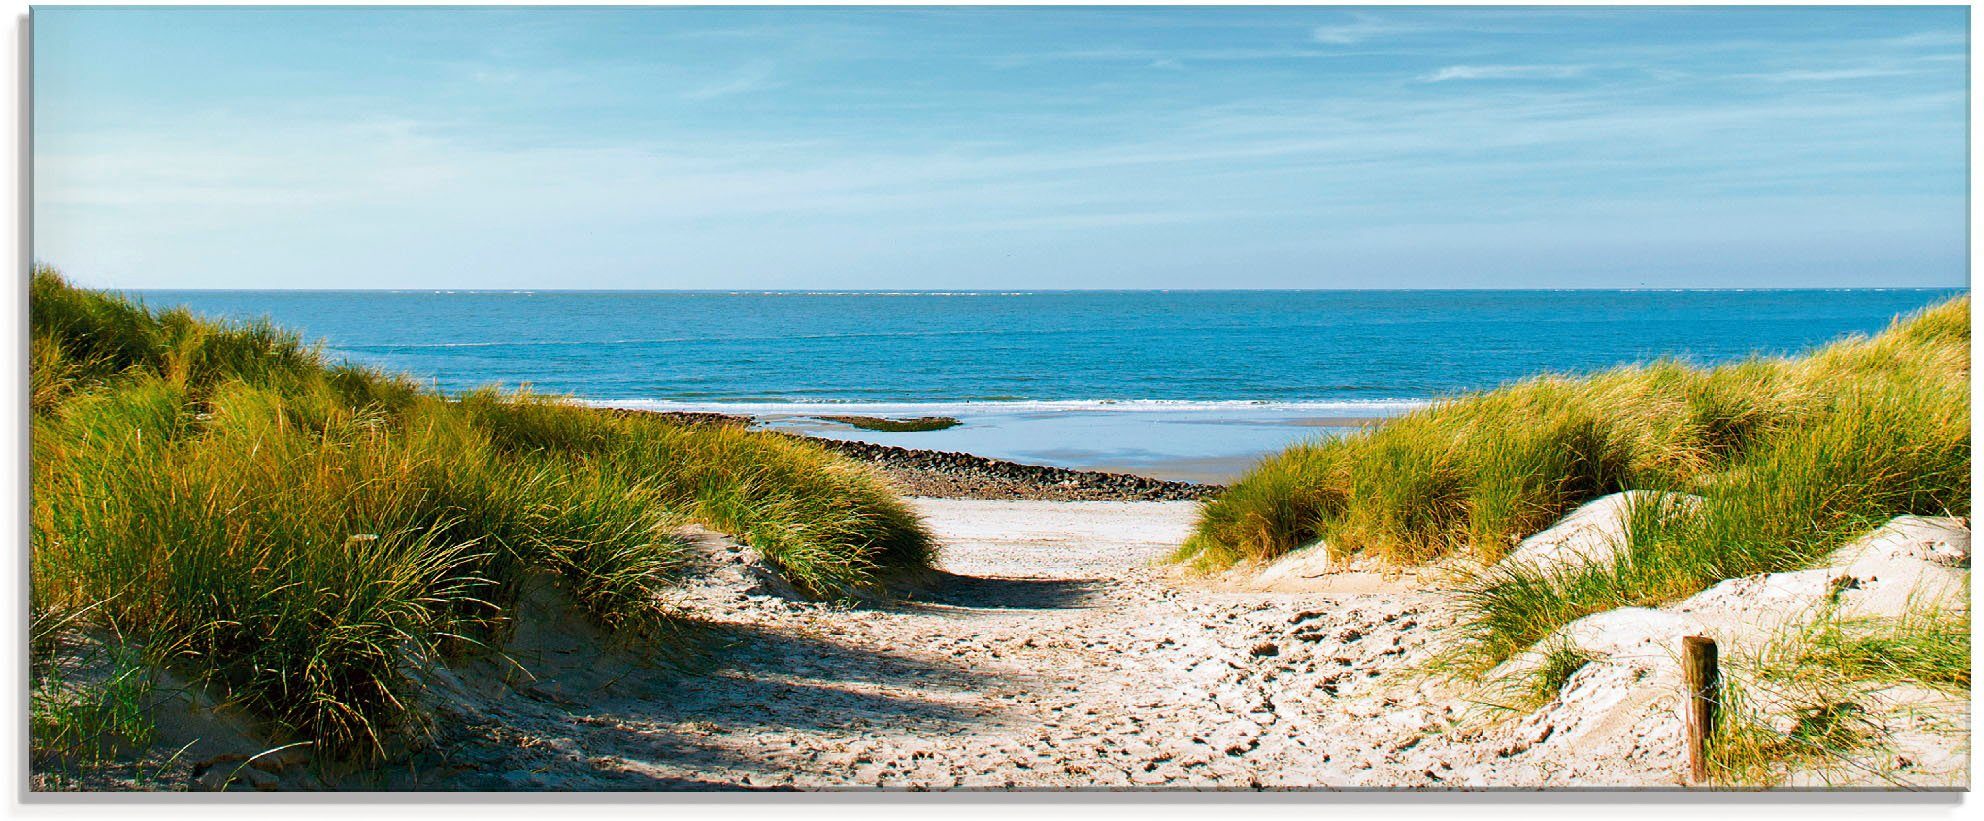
{"x": 1700, "y": 682}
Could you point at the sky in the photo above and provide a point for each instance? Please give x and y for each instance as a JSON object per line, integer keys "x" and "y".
{"x": 996, "y": 148}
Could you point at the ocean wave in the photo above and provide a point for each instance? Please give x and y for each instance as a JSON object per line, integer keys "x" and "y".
{"x": 1312, "y": 407}
{"x": 725, "y": 340}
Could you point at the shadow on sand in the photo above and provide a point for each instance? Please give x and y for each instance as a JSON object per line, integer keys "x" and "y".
{"x": 714, "y": 726}
{"x": 988, "y": 593}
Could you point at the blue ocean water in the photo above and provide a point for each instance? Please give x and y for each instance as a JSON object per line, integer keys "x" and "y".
{"x": 1188, "y": 383}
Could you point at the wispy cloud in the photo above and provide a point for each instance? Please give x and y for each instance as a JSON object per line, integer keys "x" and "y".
{"x": 1156, "y": 58}
{"x": 1503, "y": 73}
{"x": 1830, "y": 75}
{"x": 1475, "y": 24}
{"x": 1362, "y": 27}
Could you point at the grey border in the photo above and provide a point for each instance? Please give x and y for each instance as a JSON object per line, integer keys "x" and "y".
{"x": 24, "y": 237}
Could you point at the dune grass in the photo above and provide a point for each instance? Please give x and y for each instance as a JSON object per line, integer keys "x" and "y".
{"x": 1928, "y": 647}
{"x": 1932, "y": 652}
{"x": 1747, "y": 749}
{"x": 1792, "y": 456}
{"x": 305, "y": 537}
{"x": 1818, "y": 696}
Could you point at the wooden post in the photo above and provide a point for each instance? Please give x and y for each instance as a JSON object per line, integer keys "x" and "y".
{"x": 1700, "y": 681}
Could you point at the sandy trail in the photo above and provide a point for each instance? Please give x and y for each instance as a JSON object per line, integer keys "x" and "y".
{"x": 1055, "y": 654}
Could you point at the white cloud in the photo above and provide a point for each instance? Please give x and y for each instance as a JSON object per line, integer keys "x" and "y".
{"x": 1363, "y": 27}
{"x": 1503, "y": 73}
{"x": 1829, "y": 75}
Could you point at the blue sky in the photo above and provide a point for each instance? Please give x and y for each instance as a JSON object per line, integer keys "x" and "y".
{"x": 1045, "y": 147}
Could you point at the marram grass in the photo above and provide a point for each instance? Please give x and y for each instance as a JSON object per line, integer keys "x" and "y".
{"x": 305, "y": 537}
{"x": 1816, "y": 698}
{"x": 1792, "y": 456}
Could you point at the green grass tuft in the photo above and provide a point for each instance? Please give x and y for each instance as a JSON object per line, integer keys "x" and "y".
{"x": 1928, "y": 647}
{"x": 90, "y": 721}
{"x": 1814, "y": 697}
{"x": 1559, "y": 663}
{"x": 1935, "y": 653}
{"x": 1747, "y": 750}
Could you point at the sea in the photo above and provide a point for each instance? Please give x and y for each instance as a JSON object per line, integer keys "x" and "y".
{"x": 1192, "y": 385}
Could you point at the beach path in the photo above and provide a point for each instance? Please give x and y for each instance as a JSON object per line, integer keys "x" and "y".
{"x": 1054, "y": 652}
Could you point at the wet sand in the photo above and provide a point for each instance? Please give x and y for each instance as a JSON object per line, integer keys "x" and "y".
{"x": 1212, "y": 443}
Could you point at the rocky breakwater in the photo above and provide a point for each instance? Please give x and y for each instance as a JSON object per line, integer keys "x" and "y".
{"x": 965, "y": 476}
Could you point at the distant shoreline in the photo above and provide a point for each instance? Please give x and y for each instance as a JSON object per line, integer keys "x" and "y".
{"x": 954, "y": 475}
